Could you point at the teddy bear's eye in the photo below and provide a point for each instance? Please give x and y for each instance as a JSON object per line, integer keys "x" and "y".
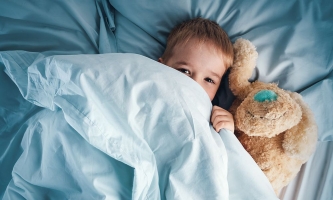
{"x": 250, "y": 113}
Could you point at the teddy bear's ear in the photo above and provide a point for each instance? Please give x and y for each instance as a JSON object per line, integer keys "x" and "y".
{"x": 245, "y": 57}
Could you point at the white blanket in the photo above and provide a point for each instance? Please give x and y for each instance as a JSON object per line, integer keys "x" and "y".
{"x": 123, "y": 126}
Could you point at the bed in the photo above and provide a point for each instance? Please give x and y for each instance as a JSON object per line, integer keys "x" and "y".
{"x": 74, "y": 124}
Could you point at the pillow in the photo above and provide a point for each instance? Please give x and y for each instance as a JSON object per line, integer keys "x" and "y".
{"x": 292, "y": 38}
{"x": 51, "y": 27}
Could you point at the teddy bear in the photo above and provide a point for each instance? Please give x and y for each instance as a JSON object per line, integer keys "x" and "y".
{"x": 275, "y": 126}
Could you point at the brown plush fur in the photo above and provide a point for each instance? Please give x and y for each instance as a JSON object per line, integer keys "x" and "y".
{"x": 280, "y": 135}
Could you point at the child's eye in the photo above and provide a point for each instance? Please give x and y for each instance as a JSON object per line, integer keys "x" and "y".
{"x": 209, "y": 80}
{"x": 185, "y": 71}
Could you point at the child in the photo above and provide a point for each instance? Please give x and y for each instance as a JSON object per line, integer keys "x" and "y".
{"x": 202, "y": 50}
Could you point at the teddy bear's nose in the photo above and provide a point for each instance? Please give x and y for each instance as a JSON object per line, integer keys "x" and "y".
{"x": 265, "y": 95}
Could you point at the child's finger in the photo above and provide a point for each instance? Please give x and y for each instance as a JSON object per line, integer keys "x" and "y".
{"x": 224, "y": 124}
{"x": 220, "y": 118}
{"x": 217, "y": 111}
{"x": 217, "y": 115}
{"x": 217, "y": 108}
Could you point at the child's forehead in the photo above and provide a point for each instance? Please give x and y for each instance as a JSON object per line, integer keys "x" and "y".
{"x": 200, "y": 53}
{"x": 196, "y": 43}
{"x": 193, "y": 49}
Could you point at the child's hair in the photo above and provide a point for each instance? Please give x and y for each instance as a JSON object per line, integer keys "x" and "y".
{"x": 203, "y": 30}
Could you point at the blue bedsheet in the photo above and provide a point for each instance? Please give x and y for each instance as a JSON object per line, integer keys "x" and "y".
{"x": 293, "y": 39}
{"x": 128, "y": 127}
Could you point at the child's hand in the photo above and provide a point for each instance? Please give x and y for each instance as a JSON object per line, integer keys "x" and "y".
{"x": 221, "y": 118}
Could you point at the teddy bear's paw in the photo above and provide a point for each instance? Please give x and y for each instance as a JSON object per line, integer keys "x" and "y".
{"x": 300, "y": 144}
{"x": 300, "y": 141}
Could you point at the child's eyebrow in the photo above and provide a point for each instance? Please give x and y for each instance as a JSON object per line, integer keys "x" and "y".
{"x": 215, "y": 74}
{"x": 181, "y": 63}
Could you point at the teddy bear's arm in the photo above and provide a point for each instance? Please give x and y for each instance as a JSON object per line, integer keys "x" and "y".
{"x": 300, "y": 141}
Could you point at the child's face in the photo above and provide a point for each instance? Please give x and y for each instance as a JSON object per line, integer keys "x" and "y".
{"x": 202, "y": 62}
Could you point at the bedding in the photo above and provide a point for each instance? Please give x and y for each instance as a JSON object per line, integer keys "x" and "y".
{"x": 293, "y": 39}
{"x": 117, "y": 130}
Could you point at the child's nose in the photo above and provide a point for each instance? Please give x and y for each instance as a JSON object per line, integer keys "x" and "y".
{"x": 198, "y": 80}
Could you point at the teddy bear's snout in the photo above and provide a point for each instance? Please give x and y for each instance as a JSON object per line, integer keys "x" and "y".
{"x": 265, "y": 95}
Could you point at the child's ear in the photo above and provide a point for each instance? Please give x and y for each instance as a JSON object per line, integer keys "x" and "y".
{"x": 160, "y": 60}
